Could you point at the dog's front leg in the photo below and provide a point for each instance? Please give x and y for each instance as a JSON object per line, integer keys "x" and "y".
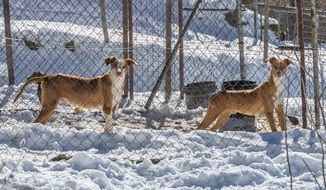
{"x": 281, "y": 116}
{"x": 108, "y": 123}
{"x": 107, "y": 111}
{"x": 107, "y": 106}
{"x": 271, "y": 121}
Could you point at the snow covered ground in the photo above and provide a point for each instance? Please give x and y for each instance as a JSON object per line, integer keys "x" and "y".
{"x": 159, "y": 149}
{"x": 153, "y": 159}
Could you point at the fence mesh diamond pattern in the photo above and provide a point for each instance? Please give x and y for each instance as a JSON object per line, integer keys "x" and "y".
{"x": 221, "y": 51}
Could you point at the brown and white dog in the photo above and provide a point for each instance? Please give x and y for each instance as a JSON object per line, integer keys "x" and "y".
{"x": 102, "y": 92}
{"x": 263, "y": 99}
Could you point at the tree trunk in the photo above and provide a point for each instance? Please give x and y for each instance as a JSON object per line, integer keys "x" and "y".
{"x": 104, "y": 21}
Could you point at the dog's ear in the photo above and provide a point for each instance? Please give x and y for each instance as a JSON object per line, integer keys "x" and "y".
{"x": 272, "y": 59}
{"x": 131, "y": 62}
{"x": 288, "y": 61}
{"x": 109, "y": 60}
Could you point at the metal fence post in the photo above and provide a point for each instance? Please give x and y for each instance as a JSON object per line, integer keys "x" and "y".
{"x": 240, "y": 37}
{"x": 125, "y": 40}
{"x": 266, "y": 29}
{"x": 168, "y": 45}
{"x": 181, "y": 54}
{"x": 9, "y": 52}
{"x": 131, "y": 53}
{"x": 302, "y": 62}
{"x": 314, "y": 41}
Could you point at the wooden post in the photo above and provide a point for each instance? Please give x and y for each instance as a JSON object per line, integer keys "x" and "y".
{"x": 302, "y": 62}
{"x": 291, "y": 23}
{"x": 279, "y": 16}
{"x": 169, "y": 61}
{"x": 9, "y": 52}
{"x": 261, "y": 23}
{"x": 131, "y": 55}
{"x": 125, "y": 40}
{"x": 255, "y": 21}
{"x": 104, "y": 21}
{"x": 266, "y": 29}
{"x": 181, "y": 55}
{"x": 240, "y": 37}
{"x": 168, "y": 45}
{"x": 314, "y": 39}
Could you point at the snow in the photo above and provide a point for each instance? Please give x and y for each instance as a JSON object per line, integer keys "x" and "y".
{"x": 199, "y": 159}
{"x": 159, "y": 149}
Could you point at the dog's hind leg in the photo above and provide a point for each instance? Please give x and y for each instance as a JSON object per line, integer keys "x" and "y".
{"x": 281, "y": 116}
{"x": 221, "y": 120}
{"x": 46, "y": 112}
{"x": 271, "y": 121}
{"x": 108, "y": 123}
{"x": 210, "y": 117}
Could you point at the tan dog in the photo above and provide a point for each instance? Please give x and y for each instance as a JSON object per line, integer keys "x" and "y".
{"x": 102, "y": 92}
{"x": 263, "y": 99}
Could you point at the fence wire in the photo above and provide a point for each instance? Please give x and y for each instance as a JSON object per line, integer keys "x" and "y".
{"x": 66, "y": 37}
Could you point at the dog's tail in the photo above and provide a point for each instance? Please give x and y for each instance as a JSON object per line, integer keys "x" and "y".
{"x": 30, "y": 81}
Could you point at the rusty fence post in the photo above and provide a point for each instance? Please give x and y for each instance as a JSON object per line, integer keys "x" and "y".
{"x": 130, "y": 46}
{"x": 168, "y": 45}
{"x": 125, "y": 47}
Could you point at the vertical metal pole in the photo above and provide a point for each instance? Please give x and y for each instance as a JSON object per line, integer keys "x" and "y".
{"x": 181, "y": 55}
{"x": 314, "y": 39}
{"x": 131, "y": 54}
{"x": 266, "y": 29}
{"x": 302, "y": 62}
{"x": 168, "y": 45}
{"x": 9, "y": 52}
{"x": 125, "y": 40}
{"x": 104, "y": 21}
{"x": 240, "y": 36}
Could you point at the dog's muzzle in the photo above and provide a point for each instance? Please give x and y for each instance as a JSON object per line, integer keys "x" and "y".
{"x": 119, "y": 71}
{"x": 279, "y": 74}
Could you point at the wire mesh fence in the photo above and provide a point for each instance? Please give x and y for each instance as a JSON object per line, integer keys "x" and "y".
{"x": 68, "y": 37}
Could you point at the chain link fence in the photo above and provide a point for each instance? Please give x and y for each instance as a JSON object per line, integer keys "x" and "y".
{"x": 69, "y": 37}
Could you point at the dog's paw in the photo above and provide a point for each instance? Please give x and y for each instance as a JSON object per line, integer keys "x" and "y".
{"x": 109, "y": 130}
{"x": 78, "y": 111}
{"x": 106, "y": 110}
